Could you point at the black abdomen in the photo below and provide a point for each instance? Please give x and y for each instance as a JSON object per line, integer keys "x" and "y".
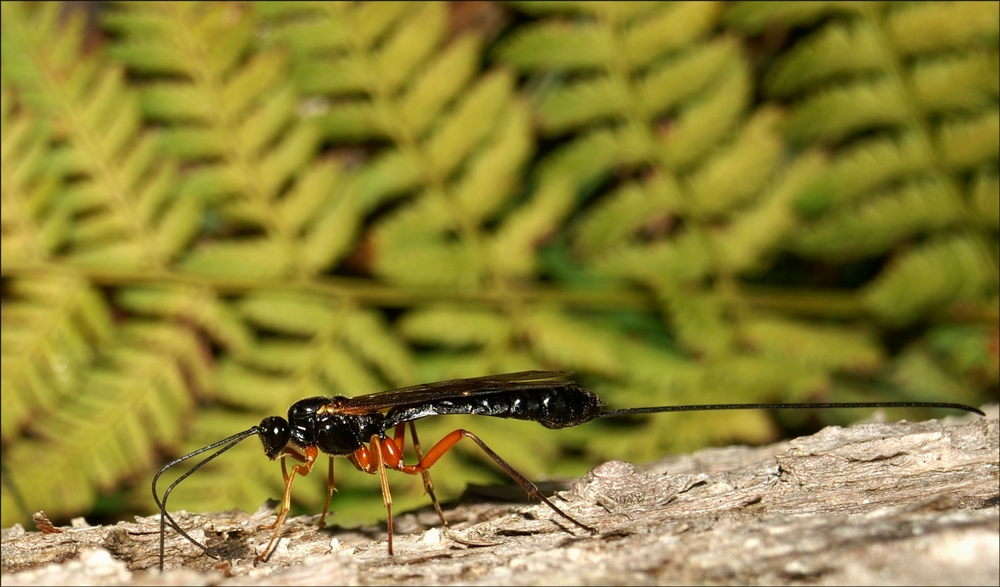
{"x": 557, "y": 407}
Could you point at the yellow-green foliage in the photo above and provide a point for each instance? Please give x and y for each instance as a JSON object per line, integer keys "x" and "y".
{"x": 211, "y": 210}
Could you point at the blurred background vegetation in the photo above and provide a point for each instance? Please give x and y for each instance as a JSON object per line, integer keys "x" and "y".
{"x": 211, "y": 210}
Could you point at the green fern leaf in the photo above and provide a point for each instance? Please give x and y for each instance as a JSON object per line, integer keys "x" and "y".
{"x": 290, "y": 312}
{"x": 879, "y": 223}
{"x": 625, "y": 212}
{"x": 686, "y": 76}
{"x": 255, "y": 389}
{"x": 367, "y": 333}
{"x": 199, "y": 307}
{"x": 765, "y": 225}
{"x": 705, "y": 123}
{"x": 941, "y": 272}
{"x": 739, "y": 170}
{"x": 839, "y": 112}
{"x": 563, "y": 340}
{"x": 33, "y": 227}
{"x": 907, "y": 95}
{"x": 101, "y": 119}
{"x": 455, "y": 327}
{"x": 861, "y": 168}
{"x": 346, "y": 374}
{"x": 664, "y": 29}
{"x": 514, "y": 244}
{"x": 491, "y": 177}
{"x": 469, "y": 123}
{"x": 596, "y": 152}
{"x": 848, "y": 48}
{"x": 310, "y": 27}
{"x": 814, "y": 345}
{"x": 107, "y": 434}
{"x": 925, "y": 28}
{"x": 916, "y": 371}
{"x": 697, "y": 318}
{"x": 967, "y": 82}
{"x": 986, "y": 199}
{"x": 246, "y": 258}
{"x": 756, "y": 16}
{"x": 971, "y": 142}
{"x": 548, "y": 45}
{"x": 52, "y": 330}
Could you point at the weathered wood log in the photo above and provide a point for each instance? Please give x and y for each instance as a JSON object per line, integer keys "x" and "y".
{"x": 899, "y": 503}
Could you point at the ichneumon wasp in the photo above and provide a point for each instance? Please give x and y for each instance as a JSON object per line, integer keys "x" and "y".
{"x": 356, "y": 428}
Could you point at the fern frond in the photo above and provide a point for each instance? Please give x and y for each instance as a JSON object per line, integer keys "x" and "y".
{"x": 468, "y": 124}
{"x": 126, "y": 213}
{"x": 916, "y": 371}
{"x": 877, "y": 224}
{"x": 940, "y": 272}
{"x": 386, "y": 54}
{"x": 131, "y": 402}
{"x": 738, "y": 171}
{"x": 416, "y": 244}
{"x": 34, "y": 227}
{"x": 197, "y": 306}
{"x": 846, "y": 48}
{"x": 678, "y": 260}
{"x": 562, "y": 340}
{"x": 548, "y": 45}
{"x": 986, "y": 199}
{"x": 965, "y": 350}
{"x": 455, "y": 327}
{"x": 53, "y": 328}
{"x": 814, "y": 345}
{"x": 315, "y": 317}
{"x": 925, "y": 28}
{"x": 368, "y": 334}
{"x": 491, "y": 176}
{"x": 964, "y": 82}
{"x": 836, "y": 113}
{"x": 764, "y": 226}
{"x": 233, "y": 112}
{"x": 594, "y": 153}
{"x": 972, "y": 141}
{"x": 907, "y": 98}
{"x": 860, "y": 168}
{"x": 698, "y": 318}
{"x": 709, "y": 121}
{"x": 755, "y": 16}
{"x": 513, "y": 246}
{"x": 627, "y": 211}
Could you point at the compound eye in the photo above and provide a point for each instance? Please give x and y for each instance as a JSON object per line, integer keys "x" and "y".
{"x": 274, "y": 435}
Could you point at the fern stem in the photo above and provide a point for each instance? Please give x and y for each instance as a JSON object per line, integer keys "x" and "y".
{"x": 363, "y": 292}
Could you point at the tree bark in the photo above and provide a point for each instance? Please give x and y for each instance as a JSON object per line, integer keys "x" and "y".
{"x": 889, "y": 503}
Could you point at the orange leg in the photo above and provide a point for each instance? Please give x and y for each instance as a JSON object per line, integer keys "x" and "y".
{"x": 284, "y": 475}
{"x": 329, "y": 495}
{"x": 399, "y": 438}
{"x": 428, "y": 484}
{"x": 386, "y": 452}
{"x": 446, "y": 443}
{"x": 309, "y": 458}
{"x": 377, "y": 448}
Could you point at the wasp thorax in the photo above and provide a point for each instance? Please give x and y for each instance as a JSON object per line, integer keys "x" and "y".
{"x": 274, "y": 435}
{"x": 342, "y": 434}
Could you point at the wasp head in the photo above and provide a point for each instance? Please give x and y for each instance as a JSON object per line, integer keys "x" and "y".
{"x": 274, "y": 435}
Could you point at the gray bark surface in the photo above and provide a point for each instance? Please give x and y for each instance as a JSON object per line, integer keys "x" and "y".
{"x": 877, "y": 503}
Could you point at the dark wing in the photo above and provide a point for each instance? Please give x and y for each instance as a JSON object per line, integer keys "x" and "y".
{"x": 475, "y": 386}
